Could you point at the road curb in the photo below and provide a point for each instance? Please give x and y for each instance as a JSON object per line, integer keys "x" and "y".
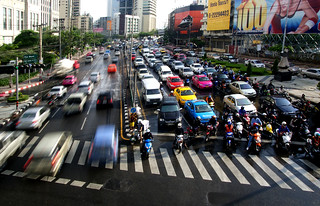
{"x": 21, "y": 88}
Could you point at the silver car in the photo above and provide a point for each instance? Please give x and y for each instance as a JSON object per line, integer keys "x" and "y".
{"x": 312, "y": 73}
{"x": 95, "y": 77}
{"x": 59, "y": 91}
{"x": 33, "y": 118}
{"x": 185, "y": 72}
{"x": 85, "y": 87}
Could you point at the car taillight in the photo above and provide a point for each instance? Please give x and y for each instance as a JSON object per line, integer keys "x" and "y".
{"x": 110, "y": 101}
{"x": 55, "y": 158}
{"x": 28, "y": 162}
{"x": 98, "y": 101}
{"x": 18, "y": 123}
{"x": 90, "y": 152}
{"x": 35, "y": 121}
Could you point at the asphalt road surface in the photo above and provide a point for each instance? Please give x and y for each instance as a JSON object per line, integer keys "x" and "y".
{"x": 201, "y": 175}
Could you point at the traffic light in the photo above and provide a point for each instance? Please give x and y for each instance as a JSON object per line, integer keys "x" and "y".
{"x": 5, "y": 69}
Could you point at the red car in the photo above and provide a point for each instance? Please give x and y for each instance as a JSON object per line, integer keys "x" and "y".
{"x": 174, "y": 82}
{"x": 133, "y": 57}
{"x": 201, "y": 81}
{"x": 112, "y": 68}
{"x": 69, "y": 80}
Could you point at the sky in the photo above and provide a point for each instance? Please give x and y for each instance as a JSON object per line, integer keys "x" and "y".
{"x": 98, "y": 8}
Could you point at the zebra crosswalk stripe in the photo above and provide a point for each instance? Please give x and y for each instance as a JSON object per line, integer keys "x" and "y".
{"x": 137, "y": 159}
{"x": 109, "y": 164}
{"x": 84, "y": 152}
{"x": 184, "y": 166}
{"x": 123, "y": 158}
{"x": 28, "y": 147}
{"x": 221, "y": 174}
{"x": 72, "y": 151}
{"x": 167, "y": 162}
{"x": 202, "y": 170}
{"x": 95, "y": 163}
{"x": 251, "y": 170}
{"x": 312, "y": 166}
{"x": 289, "y": 174}
{"x": 153, "y": 163}
{"x": 269, "y": 172}
{"x": 233, "y": 169}
{"x": 302, "y": 171}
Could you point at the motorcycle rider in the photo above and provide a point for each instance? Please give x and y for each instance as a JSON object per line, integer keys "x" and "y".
{"x": 316, "y": 140}
{"x": 147, "y": 135}
{"x": 171, "y": 94}
{"x": 228, "y": 127}
{"x": 140, "y": 128}
{"x": 209, "y": 99}
{"x": 282, "y": 129}
{"x": 242, "y": 111}
{"x": 254, "y": 129}
{"x": 255, "y": 119}
{"x": 213, "y": 122}
{"x": 197, "y": 125}
{"x": 179, "y": 131}
{"x": 237, "y": 118}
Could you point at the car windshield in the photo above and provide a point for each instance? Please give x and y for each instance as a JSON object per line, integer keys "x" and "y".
{"x": 203, "y": 108}
{"x": 82, "y": 86}
{"x": 94, "y": 75}
{"x": 74, "y": 101}
{"x": 211, "y": 70}
{"x": 143, "y": 71}
{"x": 176, "y": 80}
{"x": 187, "y": 70}
{"x": 169, "y": 108}
{"x": 203, "y": 79}
{"x": 222, "y": 76}
{"x": 197, "y": 65}
{"x": 282, "y": 102}
{"x": 257, "y": 62}
{"x": 147, "y": 77}
{"x": 178, "y": 64}
{"x": 153, "y": 91}
{"x": 166, "y": 72}
{"x": 55, "y": 90}
{"x": 68, "y": 78}
{"x": 186, "y": 92}
{"x": 243, "y": 102}
{"x": 28, "y": 115}
{"x": 245, "y": 86}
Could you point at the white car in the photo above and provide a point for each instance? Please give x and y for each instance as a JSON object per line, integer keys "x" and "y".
{"x": 196, "y": 68}
{"x": 255, "y": 63}
{"x": 117, "y": 53}
{"x": 142, "y": 72}
{"x": 185, "y": 72}
{"x": 85, "y": 87}
{"x": 165, "y": 59}
{"x": 151, "y": 62}
{"x": 60, "y": 91}
{"x": 33, "y": 118}
{"x": 75, "y": 103}
{"x": 106, "y": 56}
{"x": 240, "y": 87}
{"x": 88, "y": 59}
{"x": 236, "y": 101}
{"x": 95, "y": 77}
{"x": 191, "y": 53}
{"x": 165, "y": 74}
{"x": 312, "y": 73}
{"x": 176, "y": 65}
{"x": 138, "y": 61}
{"x": 148, "y": 76}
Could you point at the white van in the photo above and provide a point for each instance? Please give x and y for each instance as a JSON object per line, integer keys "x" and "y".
{"x": 145, "y": 51}
{"x": 151, "y": 91}
{"x": 165, "y": 72}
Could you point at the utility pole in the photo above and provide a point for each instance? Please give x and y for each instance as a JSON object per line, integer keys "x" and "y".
{"x": 60, "y": 27}
{"x": 40, "y": 26}
{"x": 17, "y": 84}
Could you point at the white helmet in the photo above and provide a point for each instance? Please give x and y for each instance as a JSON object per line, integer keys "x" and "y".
{"x": 148, "y": 130}
{"x": 284, "y": 123}
{"x": 139, "y": 121}
{"x": 179, "y": 125}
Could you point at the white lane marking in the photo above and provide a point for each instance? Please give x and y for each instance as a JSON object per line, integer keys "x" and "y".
{"x": 48, "y": 178}
{"x": 19, "y": 174}
{"x": 28, "y": 147}
{"x": 109, "y": 164}
{"x": 167, "y": 162}
{"x": 95, "y": 163}
{"x": 33, "y": 176}
{"x": 44, "y": 126}
{"x": 302, "y": 171}
{"x": 84, "y": 152}
{"x": 7, "y": 172}
{"x": 84, "y": 121}
{"x": 221, "y": 174}
{"x": 233, "y": 169}
{"x": 89, "y": 107}
{"x": 287, "y": 173}
{"x": 184, "y": 166}
{"x": 251, "y": 171}
{"x": 137, "y": 159}
{"x": 62, "y": 181}
{"x": 77, "y": 183}
{"x": 269, "y": 172}
{"x": 123, "y": 158}
{"x": 72, "y": 151}
{"x": 312, "y": 166}
{"x": 94, "y": 186}
{"x": 153, "y": 163}
{"x": 55, "y": 113}
{"x": 202, "y": 170}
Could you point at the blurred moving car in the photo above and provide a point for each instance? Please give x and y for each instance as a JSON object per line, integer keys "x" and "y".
{"x": 48, "y": 156}
{"x": 106, "y": 55}
{"x": 88, "y": 59}
{"x": 115, "y": 60}
{"x": 104, "y": 146}
{"x": 69, "y": 80}
{"x": 85, "y": 87}
{"x": 10, "y": 142}
{"x": 112, "y": 68}
{"x": 236, "y": 101}
{"x": 312, "y": 73}
{"x": 33, "y": 118}
{"x": 95, "y": 77}
{"x": 58, "y": 91}
{"x": 117, "y": 53}
{"x": 191, "y": 54}
{"x": 75, "y": 103}
{"x": 104, "y": 100}
{"x": 255, "y": 63}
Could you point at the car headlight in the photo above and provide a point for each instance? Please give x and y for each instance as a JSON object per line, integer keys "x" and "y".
{"x": 179, "y": 119}
{"x": 161, "y": 120}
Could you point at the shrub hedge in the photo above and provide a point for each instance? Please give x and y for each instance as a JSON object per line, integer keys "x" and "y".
{"x": 13, "y": 98}
{"x": 22, "y": 78}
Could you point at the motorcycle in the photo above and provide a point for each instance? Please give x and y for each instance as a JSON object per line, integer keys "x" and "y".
{"x": 312, "y": 150}
{"x": 179, "y": 143}
{"x": 211, "y": 104}
{"x": 257, "y": 141}
{"x": 52, "y": 101}
{"x": 229, "y": 141}
{"x": 285, "y": 141}
{"x": 147, "y": 145}
{"x": 238, "y": 130}
{"x": 269, "y": 131}
{"x": 211, "y": 130}
{"x": 134, "y": 136}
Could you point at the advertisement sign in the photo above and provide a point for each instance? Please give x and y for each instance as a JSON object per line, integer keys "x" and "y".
{"x": 109, "y": 25}
{"x": 269, "y": 16}
{"x": 195, "y": 12}
{"x": 218, "y": 15}
{"x": 97, "y": 30}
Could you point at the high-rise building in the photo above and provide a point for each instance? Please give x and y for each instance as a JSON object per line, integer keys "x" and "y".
{"x": 146, "y": 10}
{"x": 76, "y": 6}
{"x": 49, "y": 13}
{"x": 202, "y": 2}
{"x": 125, "y": 8}
{"x": 131, "y": 25}
{"x": 65, "y": 13}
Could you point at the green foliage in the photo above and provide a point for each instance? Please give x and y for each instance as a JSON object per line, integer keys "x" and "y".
{"x": 275, "y": 68}
{"x": 13, "y": 98}
{"x": 278, "y": 48}
{"x": 198, "y": 42}
{"x": 22, "y": 78}
{"x": 27, "y": 38}
{"x": 318, "y": 85}
{"x": 6, "y": 47}
{"x": 249, "y": 69}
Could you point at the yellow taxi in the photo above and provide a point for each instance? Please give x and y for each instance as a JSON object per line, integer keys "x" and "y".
{"x": 184, "y": 94}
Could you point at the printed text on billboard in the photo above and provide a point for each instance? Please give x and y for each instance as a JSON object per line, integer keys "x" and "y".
{"x": 218, "y": 15}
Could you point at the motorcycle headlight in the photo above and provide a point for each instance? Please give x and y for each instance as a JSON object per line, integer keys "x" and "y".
{"x": 161, "y": 120}
{"x": 179, "y": 119}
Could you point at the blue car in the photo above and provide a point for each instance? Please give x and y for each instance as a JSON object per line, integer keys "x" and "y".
{"x": 107, "y": 51}
{"x": 196, "y": 108}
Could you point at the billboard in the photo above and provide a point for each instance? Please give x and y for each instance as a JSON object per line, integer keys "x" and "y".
{"x": 97, "y": 30}
{"x": 109, "y": 25}
{"x": 269, "y": 16}
{"x": 195, "y": 12}
{"x": 218, "y": 15}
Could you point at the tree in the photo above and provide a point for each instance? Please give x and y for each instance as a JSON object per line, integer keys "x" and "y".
{"x": 274, "y": 68}
{"x": 249, "y": 69}
{"x": 27, "y": 38}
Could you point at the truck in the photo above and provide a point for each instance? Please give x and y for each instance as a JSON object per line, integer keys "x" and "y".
{"x": 63, "y": 67}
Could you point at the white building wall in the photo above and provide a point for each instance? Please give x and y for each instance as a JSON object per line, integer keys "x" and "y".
{"x": 65, "y": 12}
{"x": 131, "y": 25}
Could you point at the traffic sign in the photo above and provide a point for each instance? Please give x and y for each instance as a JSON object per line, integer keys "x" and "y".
{"x": 133, "y": 110}
{"x": 30, "y": 58}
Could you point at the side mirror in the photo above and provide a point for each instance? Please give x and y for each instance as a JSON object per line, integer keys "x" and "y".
{"x": 158, "y": 110}
{"x": 180, "y": 109}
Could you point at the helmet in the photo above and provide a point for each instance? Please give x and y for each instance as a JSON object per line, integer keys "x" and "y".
{"x": 242, "y": 107}
{"x": 229, "y": 122}
{"x": 171, "y": 92}
{"x": 264, "y": 114}
{"x": 237, "y": 114}
{"x": 213, "y": 117}
{"x": 148, "y": 130}
{"x": 284, "y": 123}
{"x": 209, "y": 96}
{"x": 316, "y": 134}
{"x": 255, "y": 124}
{"x": 198, "y": 118}
{"x": 139, "y": 121}
{"x": 179, "y": 125}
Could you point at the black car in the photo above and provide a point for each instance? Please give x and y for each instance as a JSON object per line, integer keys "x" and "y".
{"x": 170, "y": 63}
{"x": 104, "y": 100}
{"x": 169, "y": 112}
{"x": 115, "y": 60}
{"x": 157, "y": 66}
{"x": 284, "y": 108}
{"x": 188, "y": 62}
{"x": 221, "y": 77}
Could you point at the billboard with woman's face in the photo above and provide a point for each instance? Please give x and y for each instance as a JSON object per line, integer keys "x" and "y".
{"x": 269, "y": 16}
